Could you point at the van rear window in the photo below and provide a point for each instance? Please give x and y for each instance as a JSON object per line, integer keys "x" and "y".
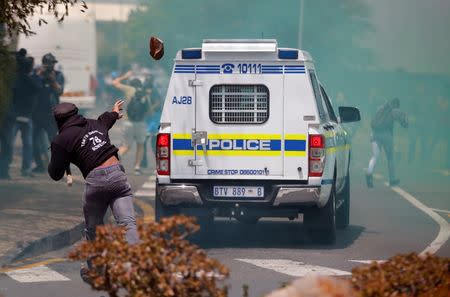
{"x": 239, "y": 104}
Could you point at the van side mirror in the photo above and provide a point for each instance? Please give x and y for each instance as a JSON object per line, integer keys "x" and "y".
{"x": 349, "y": 114}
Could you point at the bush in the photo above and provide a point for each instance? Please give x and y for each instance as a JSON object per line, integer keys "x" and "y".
{"x": 404, "y": 275}
{"x": 163, "y": 264}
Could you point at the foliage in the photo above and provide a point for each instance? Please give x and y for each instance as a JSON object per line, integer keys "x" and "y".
{"x": 163, "y": 264}
{"x": 404, "y": 275}
{"x": 15, "y": 13}
{"x": 7, "y": 63}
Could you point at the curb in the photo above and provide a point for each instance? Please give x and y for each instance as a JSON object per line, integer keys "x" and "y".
{"x": 44, "y": 245}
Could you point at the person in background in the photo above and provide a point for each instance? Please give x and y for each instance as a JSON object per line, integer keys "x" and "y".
{"x": 85, "y": 143}
{"x": 25, "y": 91}
{"x": 52, "y": 88}
{"x": 152, "y": 119}
{"x": 7, "y": 128}
{"x": 134, "y": 127}
{"x": 383, "y": 137}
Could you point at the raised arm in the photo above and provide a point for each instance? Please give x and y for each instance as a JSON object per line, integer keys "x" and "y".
{"x": 109, "y": 118}
{"x": 117, "y": 83}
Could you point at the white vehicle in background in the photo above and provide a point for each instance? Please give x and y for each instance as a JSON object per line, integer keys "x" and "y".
{"x": 73, "y": 43}
{"x": 248, "y": 131}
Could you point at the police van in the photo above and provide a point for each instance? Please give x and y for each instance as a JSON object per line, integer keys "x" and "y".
{"x": 248, "y": 131}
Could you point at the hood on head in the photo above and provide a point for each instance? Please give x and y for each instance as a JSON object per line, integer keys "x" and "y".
{"x": 66, "y": 114}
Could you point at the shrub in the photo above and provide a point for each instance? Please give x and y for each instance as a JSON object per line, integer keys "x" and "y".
{"x": 163, "y": 264}
{"x": 404, "y": 275}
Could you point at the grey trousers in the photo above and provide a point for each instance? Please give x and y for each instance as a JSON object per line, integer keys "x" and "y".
{"x": 108, "y": 187}
{"x": 386, "y": 142}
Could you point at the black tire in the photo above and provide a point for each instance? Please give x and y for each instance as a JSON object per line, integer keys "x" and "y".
{"x": 321, "y": 222}
{"x": 343, "y": 212}
{"x": 248, "y": 220}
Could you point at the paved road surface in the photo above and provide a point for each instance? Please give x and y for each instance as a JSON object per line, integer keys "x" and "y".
{"x": 264, "y": 256}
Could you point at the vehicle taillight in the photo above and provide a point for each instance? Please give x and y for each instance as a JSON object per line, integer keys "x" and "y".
{"x": 163, "y": 154}
{"x": 316, "y": 154}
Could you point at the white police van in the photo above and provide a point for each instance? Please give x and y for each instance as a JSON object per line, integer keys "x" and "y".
{"x": 247, "y": 131}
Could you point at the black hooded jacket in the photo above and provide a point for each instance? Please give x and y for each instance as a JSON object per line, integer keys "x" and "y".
{"x": 83, "y": 142}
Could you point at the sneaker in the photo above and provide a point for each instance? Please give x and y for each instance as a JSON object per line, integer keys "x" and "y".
{"x": 394, "y": 182}
{"x": 69, "y": 180}
{"x": 137, "y": 171}
{"x": 84, "y": 274}
{"x": 369, "y": 180}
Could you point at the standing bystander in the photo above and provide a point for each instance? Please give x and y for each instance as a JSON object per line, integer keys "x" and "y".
{"x": 134, "y": 126}
{"x": 52, "y": 87}
{"x": 383, "y": 137}
{"x": 26, "y": 88}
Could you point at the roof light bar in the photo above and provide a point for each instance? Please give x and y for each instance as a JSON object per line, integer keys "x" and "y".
{"x": 288, "y": 54}
{"x": 191, "y": 53}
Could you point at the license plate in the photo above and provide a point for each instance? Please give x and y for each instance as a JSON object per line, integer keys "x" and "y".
{"x": 236, "y": 192}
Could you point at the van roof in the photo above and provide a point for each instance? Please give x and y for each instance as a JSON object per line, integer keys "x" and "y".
{"x": 263, "y": 49}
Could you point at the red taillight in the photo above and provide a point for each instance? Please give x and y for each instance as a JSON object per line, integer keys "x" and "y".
{"x": 316, "y": 154}
{"x": 163, "y": 154}
{"x": 163, "y": 139}
{"x": 316, "y": 141}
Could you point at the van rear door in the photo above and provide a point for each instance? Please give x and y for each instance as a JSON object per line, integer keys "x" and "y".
{"x": 239, "y": 121}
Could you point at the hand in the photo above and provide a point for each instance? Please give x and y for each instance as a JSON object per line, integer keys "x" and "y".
{"x": 118, "y": 108}
{"x": 128, "y": 74}
{"x": 52, "y": 76}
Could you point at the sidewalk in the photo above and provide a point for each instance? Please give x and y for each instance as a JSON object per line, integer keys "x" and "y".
{"x": 38, "y": 214}
{"x": 33, "y": 208}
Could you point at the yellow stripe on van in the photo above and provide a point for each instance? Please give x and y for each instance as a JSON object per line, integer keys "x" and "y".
{"x": 329, "y": 134}
{"x": 295, "y": 137}
{"x": 228, "y": 153}
{"x": 245, "y": 136}
{"x": 335, "y": 149}
{"x": 182, "y": 136}
{"x": 295, "y": 154}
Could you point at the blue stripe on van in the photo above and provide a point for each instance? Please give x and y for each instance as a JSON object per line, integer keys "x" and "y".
{"x": 295, "y": 145}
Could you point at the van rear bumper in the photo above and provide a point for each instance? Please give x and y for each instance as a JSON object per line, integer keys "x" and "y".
{"x": 280, "y": 195}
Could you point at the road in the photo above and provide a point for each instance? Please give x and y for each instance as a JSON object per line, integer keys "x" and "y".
{"x": 264, "y": 256}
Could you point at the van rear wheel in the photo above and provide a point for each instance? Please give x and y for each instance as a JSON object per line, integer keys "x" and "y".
{"x": 343, "y": 212}
{"x": 321, "y": 222}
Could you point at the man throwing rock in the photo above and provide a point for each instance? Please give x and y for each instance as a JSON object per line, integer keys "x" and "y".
{"x": 85, "y": 143}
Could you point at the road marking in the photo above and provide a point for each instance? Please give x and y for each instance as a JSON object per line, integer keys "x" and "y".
{"x": 149, "y": 185}
{"x": 367, "y": 261}
{"x": 32, "y": 265}
{"x": 440, "y": 210}
{"x": 145, "y": 193}
{"x": 444, "y": 226}
{"x": 293, "y": 268}
{"x": 149, "y": 212}
{"x": 36, "y": 274}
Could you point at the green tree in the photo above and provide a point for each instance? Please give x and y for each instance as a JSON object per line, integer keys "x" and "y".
{"x": 15, "y": 14}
